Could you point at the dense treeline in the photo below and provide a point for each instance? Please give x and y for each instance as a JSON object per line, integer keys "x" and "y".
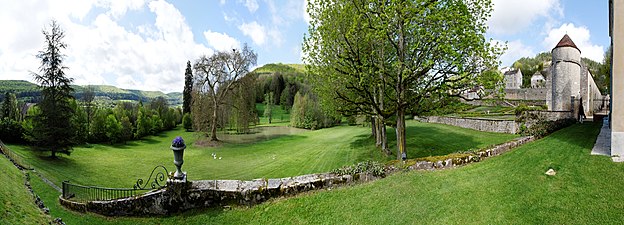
{"x": 91, "y": 123}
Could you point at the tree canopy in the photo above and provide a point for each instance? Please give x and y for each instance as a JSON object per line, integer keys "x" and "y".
{"x": 382, "y": 57}
{"x": 53, "y": 130}
{"x": 218, "y": 74}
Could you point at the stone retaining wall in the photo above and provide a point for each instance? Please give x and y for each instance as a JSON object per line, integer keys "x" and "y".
{"x": 488, "y": 125}
{"x": 180, "y": 196}
{"x": 475, "y": 157}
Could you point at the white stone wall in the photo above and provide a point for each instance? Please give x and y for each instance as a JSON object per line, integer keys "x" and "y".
{"x": 498, "y": 126}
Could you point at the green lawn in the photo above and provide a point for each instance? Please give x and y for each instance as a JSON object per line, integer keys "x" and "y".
{"x": 17, "y": 205}
{"x": 280, "y": 117}
{"x": 304, "y": 153}
{"x": 507, "y": 189}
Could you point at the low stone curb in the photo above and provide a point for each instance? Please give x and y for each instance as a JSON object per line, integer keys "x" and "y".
{"x": 475, "y": 157}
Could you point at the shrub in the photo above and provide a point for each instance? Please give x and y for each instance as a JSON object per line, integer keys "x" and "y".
{"x": 375, "y": 168}
{"x": 187, "y": 122}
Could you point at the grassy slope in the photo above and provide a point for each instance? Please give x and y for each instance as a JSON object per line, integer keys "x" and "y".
{"x": 507, "y": 189}
{"x": 16, "y": 204}
{"x": 310, "y": 152}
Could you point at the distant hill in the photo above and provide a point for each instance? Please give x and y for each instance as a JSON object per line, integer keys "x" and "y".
{"x": 29, "y": 92}
{"x": 281, "y": 68}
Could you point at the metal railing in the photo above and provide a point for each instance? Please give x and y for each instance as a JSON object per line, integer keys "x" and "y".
{"x": 15, "y": 158}
{"x": 81, "y": 193}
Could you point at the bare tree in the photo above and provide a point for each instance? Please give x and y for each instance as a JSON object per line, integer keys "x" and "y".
{"x": 219, "y": 74}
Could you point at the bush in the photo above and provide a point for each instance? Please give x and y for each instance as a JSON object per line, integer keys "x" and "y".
{"x": 375, "y": 168}
{"x": 11, "y": 130}
{"x": 187, "y": 122}
{"x": 306, "y": 113}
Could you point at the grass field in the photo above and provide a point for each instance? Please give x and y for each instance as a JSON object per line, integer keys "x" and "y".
{"x": 280, "y": 117}
{"x": 17, "y": 205}
{"x": 507, "y": 189}
{"x": 304, "y": 153}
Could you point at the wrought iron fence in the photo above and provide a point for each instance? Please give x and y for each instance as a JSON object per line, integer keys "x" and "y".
{"x": 14, "y": 157}
{"x": 81, "y": 193}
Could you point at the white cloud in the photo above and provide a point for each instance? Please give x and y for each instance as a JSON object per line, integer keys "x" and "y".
{"x": 514, "y": 16}
{"x": 119, "y": 8}
{"x": 515, "y": 50}
{"x": 580, "y": 36}
{"x": 252, "y": 5}
{"x": 221, "y": 41}
{"x": 255, "y": 31}
{"x": 306, "y": 16}
{"x": 102, "y": 51}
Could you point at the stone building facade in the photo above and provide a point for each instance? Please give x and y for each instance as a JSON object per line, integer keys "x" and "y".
{"x": 513, "y": 79}
{"x": 567, "y": 81}
{"x": 616, "y": 31}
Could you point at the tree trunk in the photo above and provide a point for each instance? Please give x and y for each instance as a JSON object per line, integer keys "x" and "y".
{"x": 378, "y": 124}
{"x": 213, "y": 129}
{"x": 400, "y": 130}
{"x": 384, "y": 139}
{"x": 53, "y": 154}
{"x": 373, "y": 127}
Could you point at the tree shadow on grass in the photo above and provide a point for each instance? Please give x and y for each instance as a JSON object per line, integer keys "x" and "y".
{"x": 583, "y": 135}
{"x": 424, "y": 141}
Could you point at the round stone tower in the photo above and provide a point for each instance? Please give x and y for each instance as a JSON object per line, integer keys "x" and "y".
{"x": 566, "y": 74}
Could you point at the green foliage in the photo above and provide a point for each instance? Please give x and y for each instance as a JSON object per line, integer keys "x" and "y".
{"x": 306, "y": 113}
{"x": 268, "y": 108}
{"x": 375, "y": 168}
{"x": 144, "y": 123}
{"x": 187, "y": 122}
{"x": 529, "y": 65}
{"x": 54, "y": 132}
{"x": 11, "y": 130}
{"x": 9, "y": 107}
{"x": 188, "y": 87}
{"x": 219, "y": 75}
{"x": 113, "y": 129}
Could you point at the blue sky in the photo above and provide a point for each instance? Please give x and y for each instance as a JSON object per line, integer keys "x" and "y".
{"x": 144, "y": 44}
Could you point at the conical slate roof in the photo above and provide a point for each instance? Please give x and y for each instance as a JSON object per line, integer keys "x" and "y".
{"x": 566, "y": 41}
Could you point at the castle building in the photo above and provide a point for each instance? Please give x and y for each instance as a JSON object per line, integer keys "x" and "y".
{"x": 571, "y": 82}
{"x": 563, "y": 85}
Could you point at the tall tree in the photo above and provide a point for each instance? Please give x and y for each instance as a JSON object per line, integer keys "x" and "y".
{"x": 87, "y": 100}
{"x": 218, "y": 74}
{"x": 9, "y": 107}
{"x": 54, "y": 131}
{"x": 188, "y": 87}
{"x": 383, "y": 57}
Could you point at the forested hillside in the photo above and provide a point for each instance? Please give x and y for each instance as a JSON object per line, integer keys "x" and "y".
{"x": 29, "y": 92}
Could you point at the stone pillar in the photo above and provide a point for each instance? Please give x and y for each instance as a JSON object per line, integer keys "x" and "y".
{"x": 616, "y": 25}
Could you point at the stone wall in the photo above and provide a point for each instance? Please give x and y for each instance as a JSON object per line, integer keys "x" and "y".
{"x": 526, "y": 94}
{"x": 475, "y": 157}
{"x": 553, "y": 115}
{"x": 180, "y": 196}
{"x": 488, "y": 125}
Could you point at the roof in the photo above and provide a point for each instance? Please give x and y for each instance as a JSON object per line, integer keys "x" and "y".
{"x": 566, "y": 41}
{"x": 511, "y": 72}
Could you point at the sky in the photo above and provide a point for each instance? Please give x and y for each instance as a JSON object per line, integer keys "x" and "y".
{"x": 145, "y": 44}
